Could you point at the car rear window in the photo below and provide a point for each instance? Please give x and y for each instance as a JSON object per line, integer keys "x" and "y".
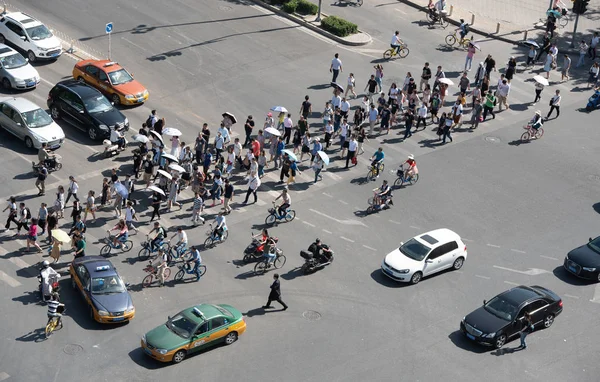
{"x": 429, "y": 239}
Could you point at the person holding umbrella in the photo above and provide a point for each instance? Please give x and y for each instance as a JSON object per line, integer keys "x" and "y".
{"x": 228, "y": 120}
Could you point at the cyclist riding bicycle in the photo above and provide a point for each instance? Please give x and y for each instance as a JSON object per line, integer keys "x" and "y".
{"x": 411, "y": 167}
{"x": 264, "y": 236}
{"x": 195, "y": 261}
{"x": 437, "y": 9}
{"x": 536, "y": 121}
{"x": 161, "y": 265}
{"x": 220, "y": 225}
{"x": 286, "y": 202}
{"x": 382, "y": 194}
{"x": 122, "y": 235}
{"x": 464, "y": 29}
{"x": 396, "y": 42}
{"x": 182, "y": 240}
{"x": 376, "y": 159}
{"x": 159, "y": 236}
{"x": 269, "y": 250}
{"x": 53, "y": 305}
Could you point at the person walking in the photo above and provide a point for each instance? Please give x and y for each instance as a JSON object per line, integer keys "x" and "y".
{"x": 362, "y": 137}
{"x": 156, "y": 200}
{"x": 490, "y": 64}
{"x": 554, "y": 105}
{"x": 317, "y": 146}
{"x": 479, "y": 74}
{"x": 352, "y": 148}
{"x": 447, "y": 128}
{"x": 285, "y": 167}
{"x": 373, "y": 114}
{"x": 511, "y": 68}
{"x": 408, "y": 122}
{"x": 40, "y": 183}
{"x": 43, "y": 217}
{"x": 130, "y": 216}
{"x": 421, "y": 116}
{"x": 317, "y": 166}
{"x": 565, "y": 67}
{"x": 593, "y": 44}
{"x": 531, "y": 56}
{"x": 488, "y": 106}
{"x": 350, "y": 85}
{"x": 544, "y": 47}
{"x": 12, "y": 213}
{"x": 73, "y": 188}
{"x": 425, "y": 76}
{"x": 306, "y": 108}
{"x": 52, "y": 224}
{"x": 471, "y": 50}
{"x": 248, "y": 126}
{"x": 253, "y": 184}
{"x": 583, "y": 49}
{"x": 379, "y": 76}
{"x": 287, "y": 128}
{"x": 228, "y": 195}
{"x": 32, "y": 235}
{"x": 476, "y": 114}
{"x": 464, "y": 83}
{"x": 90, "y": 206}
{"x": 275, "y": 294}
{"x": 457, "y": 111}
{"x": 24, "y": 216}
{"x": 538, "y": 92}
{"x": 371, "y": 86}
{"x": 503, "y": 91}
{"x": 336, "y": 67}
{"x": 527, "y": 328}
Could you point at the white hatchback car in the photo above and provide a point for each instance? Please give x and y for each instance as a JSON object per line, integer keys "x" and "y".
{"x": 29, "y": 35}
{"x": 425, "y": 255}
{"x": 15, "y": 71}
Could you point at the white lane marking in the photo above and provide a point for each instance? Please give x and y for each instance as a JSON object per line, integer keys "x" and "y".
{"x": 511, "y": 283}
{"x": 261, "y": 203}
{"x": 19, "y": 262}
{"x": 345, "y": 238}
{"x": 134, "y": 44}
{"x": 467, "y": 240}
{"x": 530, "y": 272}
{"x": 326, "y": 194}
{"x": 346, "y": 222}
{"x": 596, "y": 298}
{"x": 549, "y": 258}
{"x": 483, "y": 277}
{"x": 333, "y": 176}
{"x": 47, "y": 82}
{"x": 400, "y": 10}
{"x": 329, "y": 232}
{"x": 367, "y": 247}
{"x": 307, "y": 223}
{"x": 3, "y": 376}
{"x": 341, "y": 201}
{"x": 395, "y": 222}
{"x": 274, "y": 193}
{"x": 571, "y": 296}
{"x": 518, "y": 251}
{"x": 493, "y": 246}
{"x": 415, "y": 227}
{"x": 9, "y": 280}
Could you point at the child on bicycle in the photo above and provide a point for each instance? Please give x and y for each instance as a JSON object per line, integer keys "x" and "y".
{"x": 53, "y": 306}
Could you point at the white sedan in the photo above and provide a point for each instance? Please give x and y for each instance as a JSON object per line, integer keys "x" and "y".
{"x": 15, "y": 71}
{"x": 30, "y": 123}
{"x": 424, "y": 255}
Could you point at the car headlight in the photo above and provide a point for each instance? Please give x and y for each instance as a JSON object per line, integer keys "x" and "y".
{"x": 129, "y": 310}
{"x": 589, "y": 269}
{"x": 162, "y": 351}
{"x": 39, "y": 138}
{"x": 103, "y": 127}
{"x": 488, "y": 335}
{"x": 146, "y": 93}
{"x": 143, "y": 338}
{"x": 102, "y": 313}
{"x": 130, "y": 96}
{"x": 404, "y": 271}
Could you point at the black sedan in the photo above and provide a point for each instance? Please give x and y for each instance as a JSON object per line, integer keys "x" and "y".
{"x": 501, "y": 319}
{"x": 584, "y": 261}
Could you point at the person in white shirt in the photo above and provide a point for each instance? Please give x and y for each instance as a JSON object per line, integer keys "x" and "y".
{"x": 503, "y": 91}
{"x": 457, "y": 111}
{"x": 351, "y": 85}
{"x": 421, "y": 115}
{"x": 73, "y": 188}
{"x": 182, "y": 240}
{"x": 344, "y": 107}
{"x": 336, "y": 101}
{"x": 253, "y": 184}
{"x": 583, "y": 49}
{"x": 130, "y": 216}
{"x": 396, "y": 42}
{"x": 344, "y": 128}
{"x": 352, "y": 148}
{"x": 225, "y": 134}
{"x": 593, "y": 44}
{"x": 554, "y": 105}
{"x": 336, "y": 67}
{"x": 116, "y": 138}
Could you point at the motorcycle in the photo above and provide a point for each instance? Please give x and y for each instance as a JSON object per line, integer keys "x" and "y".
{"x": 593, "y": 101}
{"x": 311, "y": 264}
{"x": 53, "y": 286}
{"x": 254, "y": 251}
{"x": 383, "y": 203}
{"x": 111, "y": 148}
{"x": 52, "y": 164}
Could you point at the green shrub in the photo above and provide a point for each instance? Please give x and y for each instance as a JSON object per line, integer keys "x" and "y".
{"x": 307, "y": 8}
{"x": 339, "y": 26}
{"x": 290, "y": 6}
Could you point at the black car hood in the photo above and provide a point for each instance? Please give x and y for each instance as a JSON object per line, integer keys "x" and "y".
{"x": 486, "y": 322}
{"x": 109, "y": 118}
{"x": 116, "y": 302}
{"x": 585, "y": 257}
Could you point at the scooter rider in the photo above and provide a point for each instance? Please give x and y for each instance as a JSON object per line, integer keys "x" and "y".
{"x": 264, "y": 236}
{"x": 285, "y": 203}
{"x": 159, "y": 236}
{"x": 319, "y": 250}
{"x": 383, "y": 193}
{"x": 48, "y": 274}
{"x": 195, "y": 261}
{"x": 117, "y": 138}
{"x": 45, "y": 157}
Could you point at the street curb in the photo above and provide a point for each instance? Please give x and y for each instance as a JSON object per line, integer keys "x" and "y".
{"x": 312, "y": 27}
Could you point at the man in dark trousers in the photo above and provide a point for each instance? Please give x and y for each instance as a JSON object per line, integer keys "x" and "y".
{"x": 275, "y": 294}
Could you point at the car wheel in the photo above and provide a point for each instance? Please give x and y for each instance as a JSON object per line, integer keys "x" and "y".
{"x": 116, "y": 99}
{"x": 31, "y": 56}
{"x": 6, "y": 83}
{"x": 548, "y": 321}
{"x": 416, "y": 277}
{"x": 55, "y": 112}
{"x": 28, "y": 143}
{"x": 231, "y": 338}
{"x": 92, "y": 133}
{"x": 458, "y": 263}
{"x": 500, "y": 341}
{"x": 179, "y": 356}
{"x": 2, "y": 39}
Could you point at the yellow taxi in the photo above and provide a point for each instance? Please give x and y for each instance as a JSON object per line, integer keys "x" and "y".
{"x": 111, "y": 79}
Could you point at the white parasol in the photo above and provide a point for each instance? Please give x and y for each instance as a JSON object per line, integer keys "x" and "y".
{"x": 176, "y": 167}
{"x": 273, "y": 131}
{"x": 279, "y": 109}
{"x": 290, "y": 154}
{"x": 541, "y": 80}
{"x": 165, "y": 174}
{"x": 170, "y": 157}
{"x": 172, "y": 132}
{"x": 446, "y": 81}
{"x": 156, "y": 189}
{"x": 141, "y": 138}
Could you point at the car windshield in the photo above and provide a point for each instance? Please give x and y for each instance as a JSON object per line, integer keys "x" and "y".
{"x": 107, "y": 285}
{"x": 36, "y": 118}
{"x": 415, "y": 250}
{"x": 13, "y": 61}
{"x": 119, "y": 77}
{"x": 181, "y": 325}
{"x": 39, "y": 32}
{"x": 501, "y": 308}
{"x": 97, "y": 104}
{"x": 594, "y": 245}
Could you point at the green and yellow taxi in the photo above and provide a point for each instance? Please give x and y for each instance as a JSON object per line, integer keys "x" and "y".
{"x": 103, "y": 290}
{"x": 193, "y": 329}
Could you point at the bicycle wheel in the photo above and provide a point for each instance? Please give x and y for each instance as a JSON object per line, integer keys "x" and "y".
{"x": 260, "y": 268}
{"x": 224, "y": 236}
{"x": 525, "y": 136}
{"x": 126, "y": 246}
{"x": 291, "y": 215}
{"x": 450, "y": 40}
{"x": 147, "y": 281}
{"x": 144, "y": 254}
{"x": 202, "y": 270}
{"x": 370, "y": 201}
{"x": 444, "y": 22}
{"x": 371, "y": 175}
{"x": 270, "y": 220}
{"x": 50, "y": 328}
{"x": 388, "y": 54}
{"x": 539, "y": 133}
{"x": 179, "y": 275}
{"x": 397, "y": 184}
{"x": 359, "y": 2}
{"x": 209, "y": 243}
{"x": 58, "y": 166}
{"x": 404, "y": 52}
{"x": 279, "y": 261}
{"x": 414, "y": 179}
{"x": 105, "y": 251}
{"x": 563, "y": 21}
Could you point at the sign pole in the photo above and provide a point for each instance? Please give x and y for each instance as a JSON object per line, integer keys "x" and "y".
{"x": 109, "y": 45}
{"x": 108, "y": 30}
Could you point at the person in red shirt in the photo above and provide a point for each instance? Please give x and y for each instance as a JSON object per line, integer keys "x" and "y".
{"x": 255, "y": 145}
{"x": 411, "y": 168}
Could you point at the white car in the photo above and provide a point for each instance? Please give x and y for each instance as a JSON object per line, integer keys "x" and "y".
{"x": 29, "y": 122}
{"x": 425, "y": 255}
{"x": 15, "y": 71}
{"x": 29, "y": 35}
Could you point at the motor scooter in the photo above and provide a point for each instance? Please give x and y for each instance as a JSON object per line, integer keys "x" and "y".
{"x": 593, "y": 101}
{"x": 54, "y": 163}
{"x": 111, "y": 148}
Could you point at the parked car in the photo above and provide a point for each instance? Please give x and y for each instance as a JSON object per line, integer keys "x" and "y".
{"x": 15, "y": 71}
{"x": 85, "y": 108}
{"x": 424, "y": 255}
{"x": 501, "y": 319}
{"x": 29, "y": 122}
{"x": 30, "y": 36}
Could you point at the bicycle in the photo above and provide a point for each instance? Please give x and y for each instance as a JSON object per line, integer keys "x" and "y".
{"x": 55, "y": 322}
{"x": 374, "y": 172}
{"x": 178, "y": 252}
{"x": 401, "y": 51}
{"x": 274, "y": 215}
{"x": 125, "y": 246}
{"x": 262, "y": 266}
{"x": 153, "y": 274}
{"x": 399, "y": 182}
{"x": 453, "y": 38}
{"x": 212, "y": 238}
{"x": 146, "y": 251}
{"x": 531, "y": 133}
{"x": 435, "y": 18}
{"x": 187, "y": 269}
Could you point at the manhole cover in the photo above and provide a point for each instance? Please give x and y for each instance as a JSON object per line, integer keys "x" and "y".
{"x": 311, "y": 315}
{"x": 225, "y": 8}
{"x": 492, "y": 139}
{"x": 73, "y": 349}
{"x": 594, "y": 178}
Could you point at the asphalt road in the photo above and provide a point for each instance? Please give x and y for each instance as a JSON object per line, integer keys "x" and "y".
{"x": 519, "y": 208}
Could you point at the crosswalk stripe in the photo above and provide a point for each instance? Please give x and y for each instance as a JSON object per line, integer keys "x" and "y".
{"x": 9, "y": 280}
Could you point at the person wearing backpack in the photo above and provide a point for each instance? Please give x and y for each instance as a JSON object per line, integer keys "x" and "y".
{"x": 24, "y": 216}
{"x": 464, "y": 29}
{"x": 152, "y": 119}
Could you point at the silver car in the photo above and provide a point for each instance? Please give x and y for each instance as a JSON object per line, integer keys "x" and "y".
{"x": 15, "y": 70}
{"x": 29, "y": 122}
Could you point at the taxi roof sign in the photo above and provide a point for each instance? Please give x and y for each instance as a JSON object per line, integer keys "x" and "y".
{"x": 102, "y": 268}
{"x": 198, "y": 313}
{"x": 110, "y": 64}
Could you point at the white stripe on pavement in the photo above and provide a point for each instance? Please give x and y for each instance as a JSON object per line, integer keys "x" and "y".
{"x": 9, "y": 280}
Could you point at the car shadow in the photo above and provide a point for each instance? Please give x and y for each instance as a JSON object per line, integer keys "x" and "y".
{"x": 462, "y": 342}
{"x": 563, "y": 275}
{"x": 382, "y": 279}
{"x": 137, "y": 355}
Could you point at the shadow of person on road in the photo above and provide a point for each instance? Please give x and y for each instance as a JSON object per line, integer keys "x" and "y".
{"x": 256, "y": 312}
{"x": 503, "y": 351}
{"x": 37, "y": 335}
{"x": 292, "y": 274}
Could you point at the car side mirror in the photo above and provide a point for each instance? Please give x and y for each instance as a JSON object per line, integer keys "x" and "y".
{"x": 23, "y": 38}
{"x": 26, "y": 59}
{"x": 81, "y": 112}
{"x": 429, "y": 261}
{"x": 484, "y": 302}
{"x": 590, "y": 239}
{"x": 169, "y": 317}
{"x": 112, "y": 103}
{"x": 18, "y": 123}
{"x": 86, "y": 289}
{"x": 401, "y": 243}
{"x": 127, "y": 285}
